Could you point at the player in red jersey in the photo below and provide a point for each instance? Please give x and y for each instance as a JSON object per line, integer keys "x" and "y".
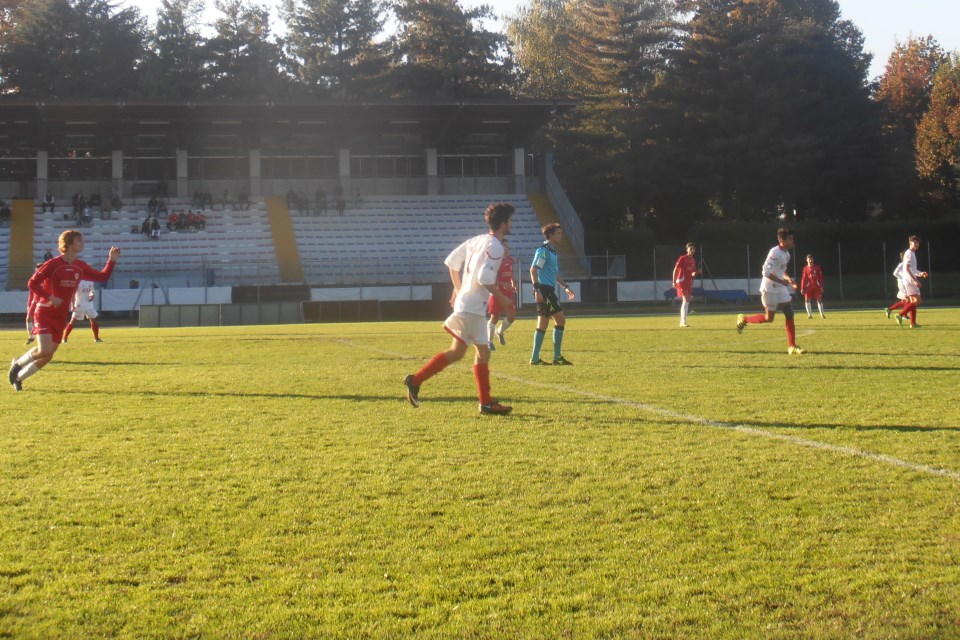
{"x": 683, "y": 274}
{"x": 31, "y": 307}
{"x": 811, "y": 286}
{"x": 507, "y": 286}
{"x": 54, "y": 285}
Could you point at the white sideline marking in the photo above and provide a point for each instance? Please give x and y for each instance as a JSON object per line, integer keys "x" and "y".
{"x": 706, "y": 422}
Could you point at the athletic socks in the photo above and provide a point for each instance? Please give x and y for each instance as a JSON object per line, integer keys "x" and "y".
{"x": 28, "y": 371}
{"x": 504, "y": 325}
{"x": 25, "y": 359}
{"x": 758, "y": 318}
{"x": 557, "y": 341}
{"x": 538, "y": 336}
{"x": 791, "y": 333}
{"x": 684, "y": 308}
{"x": 491, "y": 328}
{"x": 96, "y": 329}
{"x": 899, "y": 304}
{"x": 820, "y": 307}
{"x": 66, "y": 333}
{"x": 481, "y": 372}
{"x": 437, "y": 364}
{"x": 809, "y": 307}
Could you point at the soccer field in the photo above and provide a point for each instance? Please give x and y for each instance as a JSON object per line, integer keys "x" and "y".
{"x": 273, "y": 482}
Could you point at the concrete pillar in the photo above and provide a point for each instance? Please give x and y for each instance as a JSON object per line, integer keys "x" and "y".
{"x": 345, "y": 173}
{"x": 519, "y": 170}
{"x": 183, "y": 178}
{"x": 255, "y": 186}
{"x": 116, "y": 170}
{"x": 43, "y": 182}
{"x": 433, "y": 178}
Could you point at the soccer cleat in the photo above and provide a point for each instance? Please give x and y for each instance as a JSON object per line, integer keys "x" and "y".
{"x": 491, "y": 347}
{"x": 64, "y": 341}
{"x": 900, "y": 320}
{"x": 887, "y": 311}
{"x": 809, "y": 317}
{"x": 795, "y": 351}
{"x": 97, "y": 340}
{"x": 561, "y": 361}
{"x": 741, "y": 323}
{"x": 684, "y": 325}
{"x": 413, "y": 391}
{"x": 503, "y": 341}
{"x": 495, "y": 409}
{"x": 29, "y": 340}
{"x": 539, "y": 363}
{"x": 914, "y": 326}
{"x": 14, "y": 371}
{"x": 823, "y": 317}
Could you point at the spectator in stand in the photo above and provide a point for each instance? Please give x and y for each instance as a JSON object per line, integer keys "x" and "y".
{"x": 145, "y": 227}
{"x": 154, "y": 229}
{"x": 208, "y": 201}
{"x": 201, "y": 221}
{"x": 115, "y": 202}
{"x": 152, "y": 204}
{"x": 172, "y": 221}
{"x": 243, "y": 201}
{"x": 96, "y": 202}
{"x": 301, "y": 202}
{"x": 181, "y": 221}
{"x": 226, "y": 200}
{"x": 48, "y": 255}
{"x": 161, "y": 207}
{"x": 86, "y": 218}
{"x": 191, "y": 220}
{"x": 341, "y": 205}
{"x": 48, "y": 201}
{"x": 76, "y": 200}
{"x": 321, "y": 198}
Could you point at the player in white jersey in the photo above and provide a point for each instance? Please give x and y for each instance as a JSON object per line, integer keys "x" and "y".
{"x": 776, "y": 290}
{"x": 910, "y": 279}
{"x": 83, "y": 307}
{"x": 473, "y": 270}
{"x": 901, "y": 293}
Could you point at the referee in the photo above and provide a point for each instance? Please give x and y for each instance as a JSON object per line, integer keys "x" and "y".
{"x": 543, "y": 274}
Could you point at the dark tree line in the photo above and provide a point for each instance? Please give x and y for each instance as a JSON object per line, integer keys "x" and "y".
{"x": 688, "y": 109}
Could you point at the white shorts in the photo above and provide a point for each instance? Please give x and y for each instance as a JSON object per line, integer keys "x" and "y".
{"x": 468, "y": 327}
{"x": 910, "y": 289}
{"x": 773, "y": 299}
{"x": 86, "y": 310}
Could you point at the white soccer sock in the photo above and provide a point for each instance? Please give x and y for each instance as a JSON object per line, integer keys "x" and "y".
{"x": 504, "y": 326}
{"x": 809, "y": 308}
{"x": 27, "y": 371}
{"x": 491, "y": 328}
{"x": 25, "y": 359}
{"x": 820, "y": 306}
{"x": 684, "y": 307}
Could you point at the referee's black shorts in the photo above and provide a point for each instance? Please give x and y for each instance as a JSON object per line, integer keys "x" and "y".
{"x": 549, "y": 305}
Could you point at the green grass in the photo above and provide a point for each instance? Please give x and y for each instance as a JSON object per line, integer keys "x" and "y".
{"x": 272, "y": 482}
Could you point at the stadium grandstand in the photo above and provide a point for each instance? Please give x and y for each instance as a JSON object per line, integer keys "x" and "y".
{"x": 324, "y": 194}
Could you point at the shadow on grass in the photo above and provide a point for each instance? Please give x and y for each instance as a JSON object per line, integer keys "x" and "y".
{"x": 903, "y": 428}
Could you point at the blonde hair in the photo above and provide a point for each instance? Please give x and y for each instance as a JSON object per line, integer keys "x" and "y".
{"x": 67, "y": 238}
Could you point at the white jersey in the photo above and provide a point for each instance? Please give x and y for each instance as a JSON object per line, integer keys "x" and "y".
{"x": 775, "y": 265}
{"x": 84, "y": 294}
{"x": 479, "y": 260}
{"x": 909, "y": 261}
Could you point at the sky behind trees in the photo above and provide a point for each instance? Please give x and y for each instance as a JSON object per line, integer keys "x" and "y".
{"x": 883, "y": 22}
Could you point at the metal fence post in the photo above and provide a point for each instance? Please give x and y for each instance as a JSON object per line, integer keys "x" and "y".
{"x": 930, "y": 266}
{"x": 840, "y": 269}
{"x": 748, "y": 269}
{"x": 886, "y": 294}
{"x": 655, "y": 295}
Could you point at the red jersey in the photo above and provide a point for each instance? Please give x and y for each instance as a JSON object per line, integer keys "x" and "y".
{"x": 812, "y": 279}
{"x": 683, "y": 271}
{"x": 60, "y": 278}
{"x": 31, "y": 303}
{"x": 505, "y": 275}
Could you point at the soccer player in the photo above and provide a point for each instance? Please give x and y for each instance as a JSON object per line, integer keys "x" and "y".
{"x": 54, "y": 284}
{"x": 479, "y": 260}
{"x": 811, "y": 286}
{"x": 508, "y": 288}
{"x": 543, "y": 275}
{"x": 901, "y": 294}
{"x": 83, "y": 308}
{"x": 31, "y": 307}
{"x": 683, "y": 274}
{"x": 776, "y": 290}
{"x": 910, "y": 278}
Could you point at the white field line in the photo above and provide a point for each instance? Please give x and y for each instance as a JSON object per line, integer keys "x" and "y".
{"x": 691, "y": 419}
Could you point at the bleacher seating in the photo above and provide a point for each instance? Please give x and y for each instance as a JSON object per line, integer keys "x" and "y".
{"x": 4, "y": 252}
{"x": 399, "y": 239}
{"x": 384, "y": 240}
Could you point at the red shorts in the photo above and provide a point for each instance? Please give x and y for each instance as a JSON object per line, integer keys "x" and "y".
{"x": 812, "y": 294}
{"x": 49, "y": 321}
{"x": 494, "y": 308}
{"x": 683, "y": 291}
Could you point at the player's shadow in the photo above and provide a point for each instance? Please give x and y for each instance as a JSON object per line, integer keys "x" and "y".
{"x": 903, "y": 428}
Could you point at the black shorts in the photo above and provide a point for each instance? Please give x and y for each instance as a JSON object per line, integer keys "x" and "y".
{"x": 549, "y": 305}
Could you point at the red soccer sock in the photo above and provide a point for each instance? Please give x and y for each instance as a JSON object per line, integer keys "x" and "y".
{"x": 897, "y": 305}
{"x": 96, "y": 329}
{"x": 913, "y": 314}
{"x": 791, "y": 333}
{"x": 66, "y": 333}
{"x": 482, "y": 373}
{"x": 907, "y": 308}
{"x": 437, "y": 364}
{"x": 759, "y": 318}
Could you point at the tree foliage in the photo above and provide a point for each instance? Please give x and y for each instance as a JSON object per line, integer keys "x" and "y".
{"x": 72, "y": 49}
{"x": 176, "y": 60}
{"x": 938, "y": 135}
{"x": 243, "y": 61}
